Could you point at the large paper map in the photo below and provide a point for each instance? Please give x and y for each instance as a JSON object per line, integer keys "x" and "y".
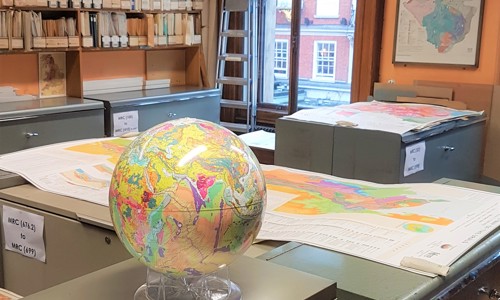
{"x": 390, "y": 117}
{"x": 380, "y": 222}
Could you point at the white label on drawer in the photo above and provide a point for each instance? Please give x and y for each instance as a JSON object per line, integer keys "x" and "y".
{"x": 125, "y": 122}
{"x": 414, "y": 161}
{"x": 23, "y": 232}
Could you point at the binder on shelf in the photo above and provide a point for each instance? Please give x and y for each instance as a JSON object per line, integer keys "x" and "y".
{"x": 6, "y": 3}
{"x": 72, "y": 31}
{"x": 127, "y": 4}
{"x": 87, "y": 40}
{"x": 97, "y": 4}
{"x": 137, "y": 31}
{"x": 181, "y": 5}
{"x": 165, "y": 5}
{"x": 156, "y": 4}
{"x": 52, "y": 3}
{"x": 174, "y": 5}
{"x": 5, "y": 29}
{"x": 27, "y": 34}
{"x": 197, "y": 5}
{"x": 74, "y": 3}
{"x": 119, "y": 23}
{"x": 160, "y": 30}
{"x": 105, "y": 28}
{"x": 62, "y": 3}
{"x": 107, "y": 4}
{"x": 87, "y": 3}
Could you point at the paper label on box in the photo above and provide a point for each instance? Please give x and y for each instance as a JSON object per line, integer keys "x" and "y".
{"x": 125, "y": 122}
{"x": 198, "y": 5}
{"x": 414, "y": 161}
{"x": 17, "y": 43}
{"x": 4, "y": 43}
{"x": 174, "y": 5}
{"x": 23, "y": 233}
{"x": 87, "y": 41}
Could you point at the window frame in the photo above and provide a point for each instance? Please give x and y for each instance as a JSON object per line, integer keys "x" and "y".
{"x": 315, "y": 73}
{"x": 286, "y": 61}
{"x": 323, "y": 9}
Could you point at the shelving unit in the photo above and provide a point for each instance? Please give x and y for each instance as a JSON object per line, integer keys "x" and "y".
{"x": 179, "y": 63}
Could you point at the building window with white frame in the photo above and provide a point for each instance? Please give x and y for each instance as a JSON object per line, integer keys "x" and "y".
{"x": 324, "y": 60}
{"x": 281, "y": 58}
{"x": 327, "y": 9}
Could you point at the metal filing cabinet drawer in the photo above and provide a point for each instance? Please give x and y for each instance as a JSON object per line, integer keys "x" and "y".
{"x": 72, "y": 250}
{"x": 160, "y": 105}
{"x": 60, "y": 120}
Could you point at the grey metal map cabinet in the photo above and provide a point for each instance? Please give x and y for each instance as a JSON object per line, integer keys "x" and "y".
{"x": 161, "y": 105}
{"x": 453, "y": 150}
{"x": 27, "y": 124}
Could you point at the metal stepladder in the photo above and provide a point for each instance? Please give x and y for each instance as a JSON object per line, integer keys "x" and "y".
{"x": 245, "y": 38}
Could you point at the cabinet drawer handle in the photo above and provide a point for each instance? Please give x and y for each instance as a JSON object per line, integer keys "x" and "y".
{"x": 171, "y": 115}
{"x": 448, "y": 148}
{"x": 30, "y": 134}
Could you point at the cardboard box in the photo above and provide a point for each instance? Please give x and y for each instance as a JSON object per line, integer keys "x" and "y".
{"x": 39, "y": 42}
{"x": 17, "y": 43}
{"x": 73, "y": 41}
{"x": 57, "y": 42}
{"x": 87, "y": 41}
{"x": 4, "y": 43}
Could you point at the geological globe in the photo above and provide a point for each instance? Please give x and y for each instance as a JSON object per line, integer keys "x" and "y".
{"x": 187, "y": 197}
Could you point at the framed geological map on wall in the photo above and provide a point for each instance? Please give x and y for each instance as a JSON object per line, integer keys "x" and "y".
{"x": 438, "y": 32}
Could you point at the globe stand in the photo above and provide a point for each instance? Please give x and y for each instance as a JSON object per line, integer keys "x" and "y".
{"x": 213, "y": 286}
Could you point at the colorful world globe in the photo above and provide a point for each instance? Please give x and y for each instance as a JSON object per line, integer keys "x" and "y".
{"x": 187, "y": 197}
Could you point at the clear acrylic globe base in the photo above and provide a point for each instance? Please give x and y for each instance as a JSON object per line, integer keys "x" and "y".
{"x": 213, "y": 286}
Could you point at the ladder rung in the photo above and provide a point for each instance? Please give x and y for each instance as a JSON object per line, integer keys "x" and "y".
{"x": 233, "y": 80}
{"x": 233, "y": 104}
{"x": 234, "y": 57}
{"x": 234, "y": 33}
{"x": 235, "y": 127}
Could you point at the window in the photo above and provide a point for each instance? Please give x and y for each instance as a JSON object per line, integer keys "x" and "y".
{"x": 327, "y": 8}
{"x": 324, "y": 60}
{"x": 281, "y": 58}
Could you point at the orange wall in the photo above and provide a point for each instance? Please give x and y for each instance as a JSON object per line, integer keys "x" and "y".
{"x": 20, "y": 72}
{"x": 488, "y": 71}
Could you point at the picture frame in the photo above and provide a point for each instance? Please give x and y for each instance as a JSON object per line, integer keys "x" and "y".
{"x": 51, "y": 74}
{"x": 438, "y": 32}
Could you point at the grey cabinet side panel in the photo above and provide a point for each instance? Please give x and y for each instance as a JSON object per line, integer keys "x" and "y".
{"x": 303, "y": 145}
{"x": 366, "y": 154}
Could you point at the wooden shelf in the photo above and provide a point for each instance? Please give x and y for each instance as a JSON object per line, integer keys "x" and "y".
{"x": 179, "y": 63}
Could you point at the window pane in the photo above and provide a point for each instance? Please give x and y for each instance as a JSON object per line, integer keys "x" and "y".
{"x": 325, "y": 54}
{"x": 327, "y": 8}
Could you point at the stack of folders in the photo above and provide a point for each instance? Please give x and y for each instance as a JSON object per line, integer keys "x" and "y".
{"x": 6, "y": 3}
{"x": 137, "y": 31}
{"x": 113, "y": 29}
{"x": 89, "y": 29}
{"x": 4, "y": 29}
{"x": 161, "y": 29}
{"x": 11, "y": 29}
{"x": 16, "y": 26}
{"x": 59, "y": 32}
